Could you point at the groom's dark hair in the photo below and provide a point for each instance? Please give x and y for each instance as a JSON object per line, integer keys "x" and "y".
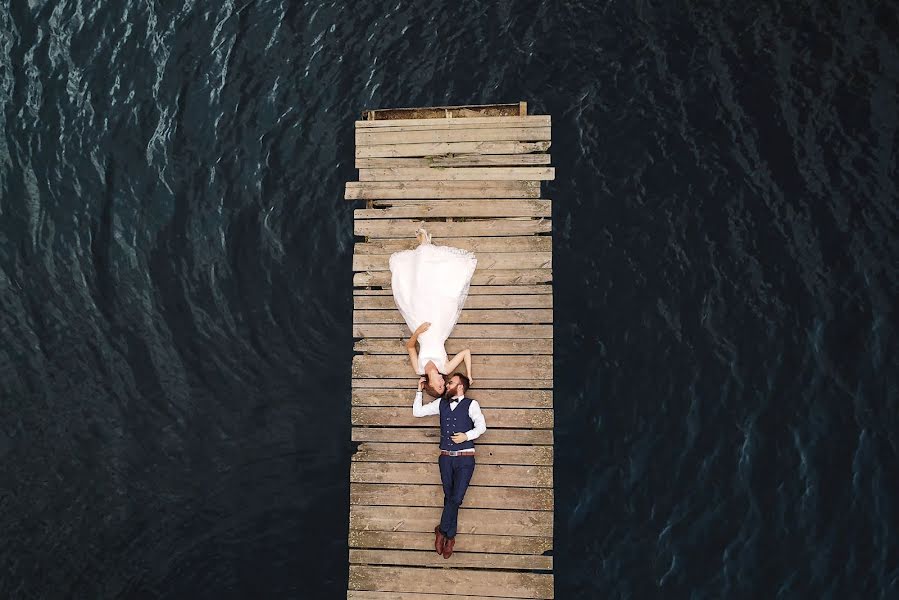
{"x": 465, "y": 382}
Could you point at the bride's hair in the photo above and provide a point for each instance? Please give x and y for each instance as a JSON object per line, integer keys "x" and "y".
{"x": 431, "y": 391}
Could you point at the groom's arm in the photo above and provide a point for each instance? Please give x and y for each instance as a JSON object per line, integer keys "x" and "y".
{"x": 480, "y": 424}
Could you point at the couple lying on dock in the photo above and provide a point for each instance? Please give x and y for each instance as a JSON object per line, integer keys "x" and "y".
{"x": 430, "y": 285}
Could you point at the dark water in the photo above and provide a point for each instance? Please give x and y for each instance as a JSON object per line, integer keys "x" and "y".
{"x": 175, "y": 287}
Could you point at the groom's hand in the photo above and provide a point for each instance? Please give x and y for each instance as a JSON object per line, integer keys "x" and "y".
{"x": 458, "y": 438}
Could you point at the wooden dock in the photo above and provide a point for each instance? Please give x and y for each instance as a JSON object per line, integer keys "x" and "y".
{"x": 473, "y": 174}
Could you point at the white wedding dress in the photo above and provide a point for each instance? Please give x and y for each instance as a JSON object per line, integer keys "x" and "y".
{"x": 430, "y": 284}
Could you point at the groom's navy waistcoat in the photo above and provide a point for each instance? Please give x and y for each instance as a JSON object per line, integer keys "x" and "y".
{"x": 455, "y": 421}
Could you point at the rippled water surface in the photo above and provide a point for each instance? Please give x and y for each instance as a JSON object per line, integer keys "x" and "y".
{"x": 175, "y": 287}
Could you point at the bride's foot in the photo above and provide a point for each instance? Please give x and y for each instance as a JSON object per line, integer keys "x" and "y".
{"x": 422, "y": 236}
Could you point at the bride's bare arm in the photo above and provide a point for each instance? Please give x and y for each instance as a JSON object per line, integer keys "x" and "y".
{"x": 465, "y": 355}
{"x": 410, "y": 345}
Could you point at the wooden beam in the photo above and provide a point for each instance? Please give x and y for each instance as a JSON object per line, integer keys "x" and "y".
{"x": 532, "y": 243}
{"x": 477, "y": 347}
{"x": 428, "y": 474}
{"x": 422, "y": 209}
{"x": 535, "y": 523}
{"x": 418, "y": 190}
{"x": 499, "y": 315}
{"x": 475, "y": 560}
{"x": 483, "y": 122}
{"x": 461, "y": 331}
{"x": 431, "y": 435}
{"x": 399, "y": 228}
{"x": 457, "y": 174}
{"x": 474, "y": 290}
{"x": 411, "y": 383}
{"x": 381, "y": 366}
{"x": 437, "y": 148}
{"x": 455, "y": 160}
{"x": 428, "y": 453}
{"x": 406, "y": 540}
{"x": 456, "y": 581}
{"x": 487, "y": 398}
{"x": 491, "y": 277}
{"x": 404, "y": 494}
{"x": 394, "y": 416}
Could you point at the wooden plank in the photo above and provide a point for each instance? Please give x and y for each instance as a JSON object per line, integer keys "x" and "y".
{"x": 459, "y": 122}
{"x": 361, "y": 330}
{"x": 385, "y": 494}
{"x": 457, "y": 174}
{"x": 395, "y": 416}
{"x": 499, "y": 315}
{"x": 487, "y": 261}
{"x": 372, "y": 595}
{"x": 431, "y": 135}
{"x": 455, "y": 160}
{"x": 477, "y": 347}
{"x": 435, "y": 148}
{"x": 412, "y": 209}
{"x": 487, "y": 454}
{"x": 500, "y": 367}
{"x": 539, "y": 243}
{"x": 480, "y": 277}
{"x": 410, "y": 383}
{"x": 540, "y": 437}
{"x": 404, "y": 540}
{"x": 398, "y": 228}
{"x": 428, "y": 474}
{"x": 481, "y": 301}
{"x": 488, "y": 521}
{"x": 474, "y": 560}
{"x": 487, "y": 398}
{"x": 473, "y": 290}
{"x": 511, "y": 584}
{"x": 417, "y": 190}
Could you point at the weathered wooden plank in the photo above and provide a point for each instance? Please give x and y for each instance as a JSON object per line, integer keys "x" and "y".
{"x": 428, "y": 474}
{"x": 458, "y": 122}
{"x": 460, "y": 331}
{"x": 487, "y": 261}
{"x": 488, "y": 521}
{"x": 412, "y": 209}
{"x": 423, "y": 435}
{"x": 370, "y": 190}
{"x": 410, "y": 383}
{"x": 431, "y": 135}
{"x": 478, "y": 347}
{"x": 481, "y": 301}
{"x": 487, "y": 398}
{"x": 432, "y": 148}
{"x": 505, "y": 290}
{"x": 395, "y": 416}
{"x": 399, "y": 228}
{"x": 372, "y": 595}
{"x": 490, "y": 315}
{"x": 480, "y": 277}
{"x": 403, "y": 494}
{"x": 455, "y": 160}
{"x": 404, "y": 540}
{"x": 487, "y": 454}
{"x": 531, "y": 243}
{"x": 458, "y": 174}
{"x": 510, "y": 584}
{"x": 500, "y": 367}
{"x": 474, "y": 560}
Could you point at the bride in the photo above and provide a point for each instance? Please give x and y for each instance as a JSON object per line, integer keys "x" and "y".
{"x": 430, "y": 285}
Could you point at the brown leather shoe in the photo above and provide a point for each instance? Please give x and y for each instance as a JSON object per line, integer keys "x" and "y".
{"x": 448, "y": 546}
{"x": 439, "y": 540}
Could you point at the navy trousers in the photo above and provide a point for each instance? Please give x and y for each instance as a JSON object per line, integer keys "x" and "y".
{"x": 455, "y": 473}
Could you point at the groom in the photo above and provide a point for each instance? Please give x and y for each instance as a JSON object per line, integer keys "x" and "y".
{"x": 461, "y": 421}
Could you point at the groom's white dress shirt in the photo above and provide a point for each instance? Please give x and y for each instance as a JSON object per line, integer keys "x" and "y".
{"x": 433, "y": 408}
